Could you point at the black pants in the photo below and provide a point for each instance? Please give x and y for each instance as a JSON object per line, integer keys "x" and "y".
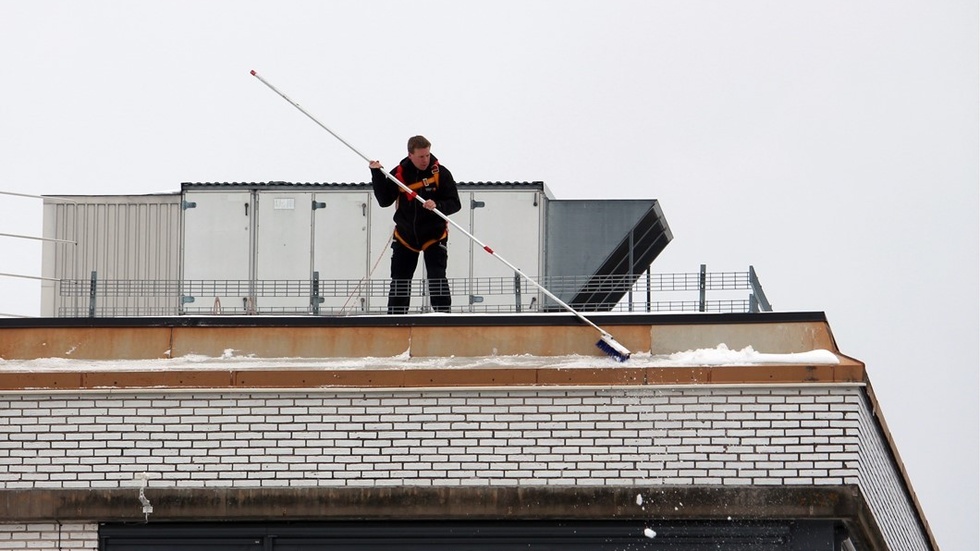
{"x": 403, "y": 264}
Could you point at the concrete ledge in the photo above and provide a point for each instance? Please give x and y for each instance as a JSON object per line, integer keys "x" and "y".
{"x": 412, "y": 503}
{"x": 275, "y": 341}
{"x": 88, "y": 343}
{"x": 846, "y": 372}
{"x": 443, "y": 336}
{"x": 387, "y": 336}
{"x": 773, "y": 338}
{"x": 668, "y": 503}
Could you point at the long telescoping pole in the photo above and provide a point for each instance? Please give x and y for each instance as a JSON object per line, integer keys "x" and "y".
{"x": 606, "y": 343}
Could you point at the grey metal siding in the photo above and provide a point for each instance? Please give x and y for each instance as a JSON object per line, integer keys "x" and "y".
{"x": 135, "y": 239}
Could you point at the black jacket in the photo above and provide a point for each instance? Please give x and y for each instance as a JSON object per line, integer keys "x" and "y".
{"x": 415, "y": 226}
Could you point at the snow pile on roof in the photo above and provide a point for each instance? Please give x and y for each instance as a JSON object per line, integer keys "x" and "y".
{"x": 748, "y": 356}
{"x": 229, "y": 360}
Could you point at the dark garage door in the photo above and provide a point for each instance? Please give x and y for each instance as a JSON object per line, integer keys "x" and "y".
{"x": 469, "y": 536}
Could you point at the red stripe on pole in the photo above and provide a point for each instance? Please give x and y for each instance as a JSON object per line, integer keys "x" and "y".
{"x": 488, "y": 249}
{"x": 412, "y": 196}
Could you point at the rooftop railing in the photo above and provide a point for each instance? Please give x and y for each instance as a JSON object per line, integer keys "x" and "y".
{"x": 700, "y": 291}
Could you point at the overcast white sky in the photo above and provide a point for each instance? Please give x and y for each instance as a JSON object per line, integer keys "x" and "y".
{"x": 831, "y": 144}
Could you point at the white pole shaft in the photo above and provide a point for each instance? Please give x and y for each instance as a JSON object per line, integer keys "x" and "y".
{"x": 436, "y": 211}
{"x": 40, "y": 278}
{"x": 49, "y": 197}
{"x": 51, "y": 239}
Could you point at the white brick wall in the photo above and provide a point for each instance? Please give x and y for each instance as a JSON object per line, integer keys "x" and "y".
{"x": 880, "y": 483}
{"x": 635, "y": 436}
{"x": 54, "y": 536}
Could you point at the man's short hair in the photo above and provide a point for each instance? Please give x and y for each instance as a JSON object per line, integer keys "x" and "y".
{"x": 417, "y": 142}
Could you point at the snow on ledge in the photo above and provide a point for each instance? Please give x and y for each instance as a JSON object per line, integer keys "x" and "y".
{"x": 705, "y": 357}
{"x": 748, "y": 356}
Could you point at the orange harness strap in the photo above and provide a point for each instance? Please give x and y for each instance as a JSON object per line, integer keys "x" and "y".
{"x": 425, "y": 245}
{"x": 422, "y": 183}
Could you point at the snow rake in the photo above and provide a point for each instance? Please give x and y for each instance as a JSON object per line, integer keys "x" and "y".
{"x": 606, "y": 342}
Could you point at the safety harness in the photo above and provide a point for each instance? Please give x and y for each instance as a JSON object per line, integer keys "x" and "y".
{"x": 421, "y": 184}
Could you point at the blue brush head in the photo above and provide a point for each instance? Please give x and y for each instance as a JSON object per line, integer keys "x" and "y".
{"x": 613, "y": 349}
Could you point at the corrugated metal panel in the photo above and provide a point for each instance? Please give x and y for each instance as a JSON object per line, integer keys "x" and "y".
{"x": 130, "y": 239}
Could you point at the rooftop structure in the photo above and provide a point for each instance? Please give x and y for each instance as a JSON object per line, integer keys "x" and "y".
{"x": 212, "y": 373}
{"x": 285, "y": 248}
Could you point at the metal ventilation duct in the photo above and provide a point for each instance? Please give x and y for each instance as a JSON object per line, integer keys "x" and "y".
{"x": 612, "y": 241}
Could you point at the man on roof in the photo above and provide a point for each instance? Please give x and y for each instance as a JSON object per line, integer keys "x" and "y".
{"x": 418, "y": 230}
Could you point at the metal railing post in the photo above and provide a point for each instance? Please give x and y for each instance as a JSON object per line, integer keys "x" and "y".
{"x": 702, "y": 287}
{"x": 517, "y": 292}
{"x": 649, "y": 297}
{"x": 315, "y": 298}
{"x": 92, "y": 294}
{"x": 629, "y": 292}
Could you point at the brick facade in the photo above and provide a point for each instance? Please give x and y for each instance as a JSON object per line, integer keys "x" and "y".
{"x": 543, "y": 437}
{"x": 809, "y": 435}
{"x": 881, "y": 484}
{"x": 49, "y": 536}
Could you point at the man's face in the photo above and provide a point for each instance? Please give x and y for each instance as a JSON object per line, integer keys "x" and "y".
{"x": 420, "y": 158}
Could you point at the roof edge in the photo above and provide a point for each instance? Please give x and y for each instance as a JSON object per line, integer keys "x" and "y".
{"x": 423, "y": 320}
